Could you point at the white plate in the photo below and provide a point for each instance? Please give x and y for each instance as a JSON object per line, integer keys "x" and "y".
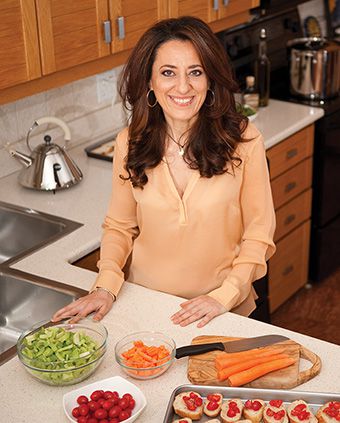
{"x": 116, "y": 383}
{"x": 252, "y": 117}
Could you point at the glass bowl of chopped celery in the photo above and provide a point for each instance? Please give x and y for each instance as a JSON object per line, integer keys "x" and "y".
{"x": 63, "y": 353}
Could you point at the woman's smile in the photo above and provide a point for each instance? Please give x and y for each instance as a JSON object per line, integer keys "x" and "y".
{"x": 182, "y": 101}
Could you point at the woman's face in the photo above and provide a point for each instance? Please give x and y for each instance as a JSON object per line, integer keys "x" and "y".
{"x": 179, "y": 81}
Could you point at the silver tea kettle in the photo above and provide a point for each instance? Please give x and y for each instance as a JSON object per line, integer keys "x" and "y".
{"x": 49, "y": 167}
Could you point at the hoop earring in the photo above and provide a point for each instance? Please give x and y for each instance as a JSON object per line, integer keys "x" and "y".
{"x": 213, "y": 98}
{"x": 147, "y": 99}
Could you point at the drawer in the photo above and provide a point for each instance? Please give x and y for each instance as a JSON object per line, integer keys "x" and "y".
{"x": 292, "y": 183}
{"x": 288, "y": 268}
{"x": 292, "y": 214}
{"x": 291, "y": 151}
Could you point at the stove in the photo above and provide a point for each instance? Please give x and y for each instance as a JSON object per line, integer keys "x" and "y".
{"x": 241, "y": 44}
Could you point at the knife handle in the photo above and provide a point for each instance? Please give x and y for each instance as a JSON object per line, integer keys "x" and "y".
{"x": 198, "y": 349}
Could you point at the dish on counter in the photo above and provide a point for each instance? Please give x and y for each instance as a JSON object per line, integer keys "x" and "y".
{"x": 63, "y": 353}
{"x": 103, "y": 149}
{"x": 314, "y": 400}
{"x": 145, "y": 355}
{"x": 116, "y": 383}
{"x": 247, "y": 111}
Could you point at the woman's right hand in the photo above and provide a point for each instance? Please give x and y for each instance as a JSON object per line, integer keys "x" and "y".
{"x": 99, "y": 301}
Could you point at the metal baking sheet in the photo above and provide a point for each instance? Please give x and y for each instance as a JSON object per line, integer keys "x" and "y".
{"x": 313, "y": 399}
{"x": 103, "y": 149}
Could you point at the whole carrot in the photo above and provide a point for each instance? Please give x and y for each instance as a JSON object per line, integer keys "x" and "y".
{"x": 246, "y": 376}
{"x": 223, "y": 374}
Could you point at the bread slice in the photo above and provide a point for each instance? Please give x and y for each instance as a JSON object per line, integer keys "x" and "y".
{"x": 299, "y": 412}
{"x": 329, "y": 413}
{"x": 212, "y": 405}
{"x": 275, "y": 412}
{"x": 183, "y": 420}
{"x": 231, "y": 410}
{"x": 253, "y": 410}
{"x": 189, "y": 404}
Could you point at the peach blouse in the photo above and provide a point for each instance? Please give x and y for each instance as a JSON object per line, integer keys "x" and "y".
{"x": 213, "y": 240}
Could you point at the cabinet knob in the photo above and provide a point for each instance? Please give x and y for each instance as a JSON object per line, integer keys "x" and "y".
{"x": 121, "y": 27}
{"x": 289, "y": 219}
{"x": 287, "y": 270}
{"x": 290, "y": 186}
{"x": 291, "y": 153}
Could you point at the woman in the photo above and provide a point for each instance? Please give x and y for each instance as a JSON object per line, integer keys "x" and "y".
{"x": 191, "y": 199}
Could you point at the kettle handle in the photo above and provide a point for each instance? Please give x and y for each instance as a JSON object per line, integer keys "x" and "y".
{"x": 49, "y": 119}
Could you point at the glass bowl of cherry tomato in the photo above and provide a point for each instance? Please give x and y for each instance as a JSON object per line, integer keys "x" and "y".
{"x": 114, "y": 399}
{"x": 63, "y": 353}
{"x": 145, "y": 355}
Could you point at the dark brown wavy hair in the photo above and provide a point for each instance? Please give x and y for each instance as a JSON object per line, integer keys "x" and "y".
{"x": 214, "y": 136}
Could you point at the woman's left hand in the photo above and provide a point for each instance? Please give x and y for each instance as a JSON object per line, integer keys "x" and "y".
{"x": 203, "y": 308}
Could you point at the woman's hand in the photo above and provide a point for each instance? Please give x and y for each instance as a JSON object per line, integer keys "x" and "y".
{"x": 99, "y": 301}
{"x": 202, "y": 307}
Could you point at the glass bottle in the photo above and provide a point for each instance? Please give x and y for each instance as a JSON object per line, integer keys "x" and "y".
{"x": 250, "y": 94}
{"x": 262, "y": 70}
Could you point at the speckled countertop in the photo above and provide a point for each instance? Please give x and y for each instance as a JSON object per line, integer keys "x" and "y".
{"x": 86, "y": 203}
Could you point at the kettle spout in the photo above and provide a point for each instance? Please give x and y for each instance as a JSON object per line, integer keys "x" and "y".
{"x": 23, "y": 158}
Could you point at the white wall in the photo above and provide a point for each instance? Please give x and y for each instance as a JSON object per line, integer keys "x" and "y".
{"x": 76, "y": 103}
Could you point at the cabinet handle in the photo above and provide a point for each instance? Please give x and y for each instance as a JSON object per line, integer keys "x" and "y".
{"x": 289, "y": 219}
{"x": 215, "y": 4}
{"x": 287, "y": 270}
{"x": 121, "y": 27}
{"x": 225, "y": 2}
{"x": 290, "y": 186}
{"x": 291, "y": 153}
{"x": 107, "y": 32}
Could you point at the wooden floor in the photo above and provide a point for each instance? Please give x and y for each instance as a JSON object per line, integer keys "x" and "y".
{"x": 313, "y": 311}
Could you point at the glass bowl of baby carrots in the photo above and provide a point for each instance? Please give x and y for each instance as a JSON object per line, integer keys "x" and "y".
{"x": 145, "y": 355}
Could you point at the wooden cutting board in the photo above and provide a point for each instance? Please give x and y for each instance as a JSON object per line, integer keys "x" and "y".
{"x": 201, "y": 368}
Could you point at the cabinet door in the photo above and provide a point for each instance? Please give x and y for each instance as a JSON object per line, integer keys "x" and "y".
{"x": 19, "y": 47}
{"x": 130, "y": 19}
{"x": 71, "y": 32}
{"x": 203, "y": 9}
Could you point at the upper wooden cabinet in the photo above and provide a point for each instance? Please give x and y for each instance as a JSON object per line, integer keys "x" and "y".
{"x": 130, "y": 19}
{"x": 71, "y": 32}
{"x": 211, "y": 11}
{"x": 19, "y": 47}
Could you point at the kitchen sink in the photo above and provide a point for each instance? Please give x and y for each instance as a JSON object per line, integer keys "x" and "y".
{"x": 23, "y": 230}
{"x": 25, "y": 300}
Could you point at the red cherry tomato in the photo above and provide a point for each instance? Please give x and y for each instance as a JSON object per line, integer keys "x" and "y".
{"x": 107, "y": 405}
{"x": 132, "y": 403}
{"x": 92, "y": 420}
{"x": 84, "y": 410}
{"x": 123, "y": 415}
{"x": 82, "y": 419}
{"x": 82, "y": 399}
{"x": 127, "y": 396}
{"x": 108, "y": 395}
{"x": 123, "y": 403}
{"x": 101, "y": 401}
{"x": 93, "y": 405}
{"x": 96, "y": 395}
{"x": 100, "y": 414}
{"x": 75, "y": 412}
{"x": 114, "y": 412}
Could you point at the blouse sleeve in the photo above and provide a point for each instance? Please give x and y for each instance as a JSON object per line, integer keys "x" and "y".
{"x": 120, "y": 224}
{"x": 258, "y": 218}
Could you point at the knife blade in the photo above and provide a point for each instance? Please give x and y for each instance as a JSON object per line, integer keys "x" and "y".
{"x": 230, "y": 346}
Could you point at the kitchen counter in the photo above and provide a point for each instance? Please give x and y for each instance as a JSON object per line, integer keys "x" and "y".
{"x": 86, "y": 203}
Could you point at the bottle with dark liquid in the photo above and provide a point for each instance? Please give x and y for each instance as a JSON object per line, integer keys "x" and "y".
{"x": 262, "y": 70}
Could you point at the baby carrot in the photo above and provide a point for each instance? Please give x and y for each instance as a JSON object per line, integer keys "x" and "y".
{"x": 224, "y": 359}
{"x": 246, "y": 376}
{"x": 223, "y": 374}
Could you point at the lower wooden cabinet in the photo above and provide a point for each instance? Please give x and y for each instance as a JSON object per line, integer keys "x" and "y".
{"x": 290, "y": 165}
{"x": 288, "y": 268}
{"x": 89, "y": 261}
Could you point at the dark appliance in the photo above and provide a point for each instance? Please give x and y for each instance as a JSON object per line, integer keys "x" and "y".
{"x": 282, "y": 23}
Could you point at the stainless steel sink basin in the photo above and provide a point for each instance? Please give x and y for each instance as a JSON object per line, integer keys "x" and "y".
{"x": 23, "y": 230}
{"x": 26, "y": 300}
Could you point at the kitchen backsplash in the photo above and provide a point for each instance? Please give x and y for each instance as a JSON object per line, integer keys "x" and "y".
{"x": 75, "y": 103}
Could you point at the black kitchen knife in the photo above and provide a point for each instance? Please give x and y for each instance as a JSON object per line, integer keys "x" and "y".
{"x": 230, "y": 346}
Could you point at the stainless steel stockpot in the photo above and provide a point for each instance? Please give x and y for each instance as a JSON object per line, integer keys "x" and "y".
{"x": 314, "y": 67}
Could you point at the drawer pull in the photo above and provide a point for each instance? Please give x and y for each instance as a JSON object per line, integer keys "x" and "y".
{"x": 215, "y": 4}
{"x": 290, "y": 186}
{"x": 289, "y": 219}
{"x": 107, "y": 32}
{"x": 291, "y": 153}
{"x": 121, "y": 27}
{"x": 225, "y": 2}
{"x": 287, "y": 270}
